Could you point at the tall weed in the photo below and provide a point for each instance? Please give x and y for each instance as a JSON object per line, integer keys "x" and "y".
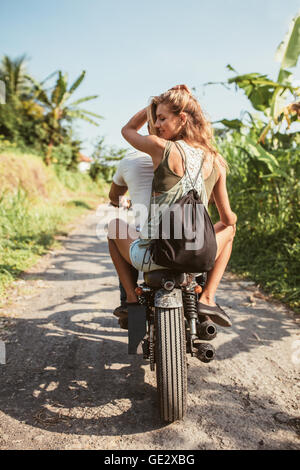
{"x": 266, "y": 246}
{"x": 31, "y": 219}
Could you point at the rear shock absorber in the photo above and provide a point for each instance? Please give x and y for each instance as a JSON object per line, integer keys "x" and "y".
{"x": 190, "y": 312}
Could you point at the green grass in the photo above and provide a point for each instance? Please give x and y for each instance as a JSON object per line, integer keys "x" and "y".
{"x": 28, "y": 231}
{"x": 266, "y": 248}
{"x": 270, "y": 262}
{"x": 267, "y": 254}
{"x": 30, "y": 220}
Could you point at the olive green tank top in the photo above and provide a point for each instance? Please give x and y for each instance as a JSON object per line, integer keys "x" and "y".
{"x": 172, "y": 189}
{"x": 164, "y": 178}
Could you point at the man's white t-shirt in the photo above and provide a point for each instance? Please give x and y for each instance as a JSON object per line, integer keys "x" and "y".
{"x": 136, "y": 172}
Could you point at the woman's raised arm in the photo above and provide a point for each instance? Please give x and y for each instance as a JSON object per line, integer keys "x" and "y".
{"x": 150, "y": 144}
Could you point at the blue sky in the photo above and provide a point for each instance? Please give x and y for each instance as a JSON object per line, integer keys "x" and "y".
{"x": 133, "y": 50}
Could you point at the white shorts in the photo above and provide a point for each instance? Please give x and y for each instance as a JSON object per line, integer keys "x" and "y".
{"x": 139, "y": 253}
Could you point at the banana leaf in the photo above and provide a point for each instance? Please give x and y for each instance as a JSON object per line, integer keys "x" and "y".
{"x": 232, "y": 124}
{"x": 82, "y": 100}
{"x": 77, "y": 82}
{"x": 258, "y": 88}
{"x": 258, "y": 152}
{"x": 77, "y": 114}
{"x": 285, "y": 77}
{"x": 278, "y": 103}
{"x": 39, "y": 93}
{"x": 288, "y": 50}
{"x": 59, "y": 89}
{"x": 84, "y": 111}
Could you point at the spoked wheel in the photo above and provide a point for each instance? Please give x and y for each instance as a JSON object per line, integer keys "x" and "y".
{"x": 171, "y": 368}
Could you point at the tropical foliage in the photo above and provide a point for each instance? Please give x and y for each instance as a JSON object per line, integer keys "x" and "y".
{"x": 262, "y": 147}
{"x": 263, "y": 151}
{"x": 58, "y": 110}
{"x": 41, "y": 117}
{"x": 36, "y": 205}
{"x": 105, "y": 160}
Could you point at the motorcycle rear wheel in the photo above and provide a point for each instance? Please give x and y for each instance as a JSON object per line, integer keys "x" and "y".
{"x": 170, "y": 357}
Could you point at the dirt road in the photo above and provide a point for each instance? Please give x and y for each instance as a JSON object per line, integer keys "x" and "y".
{"x": 68, "y": 382}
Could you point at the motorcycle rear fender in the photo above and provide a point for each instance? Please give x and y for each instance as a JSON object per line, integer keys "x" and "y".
{"x": 168, "y": 299}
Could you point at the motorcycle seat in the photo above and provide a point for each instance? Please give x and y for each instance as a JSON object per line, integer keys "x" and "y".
{"x": 159, "y": 277}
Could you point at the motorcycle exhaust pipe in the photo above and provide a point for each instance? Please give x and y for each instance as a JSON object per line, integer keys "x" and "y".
{"x": 206, "y": 352}
{"x": 206, "y": 330}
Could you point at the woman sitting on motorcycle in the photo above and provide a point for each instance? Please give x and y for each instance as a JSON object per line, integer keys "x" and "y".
{"x": 176, "y": 116}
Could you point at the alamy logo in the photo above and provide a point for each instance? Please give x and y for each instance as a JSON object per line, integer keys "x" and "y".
{"x": 2, "y": 92}
{"x": 176, "y": 222}
{"x": 2, "y": 353}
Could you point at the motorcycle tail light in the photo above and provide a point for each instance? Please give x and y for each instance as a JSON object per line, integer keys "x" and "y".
{"x": 138, "y": 290}
{"x": 198, "y": 289}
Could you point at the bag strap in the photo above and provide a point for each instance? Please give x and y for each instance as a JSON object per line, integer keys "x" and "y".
{"x": 184, "y": 159}
{"x": 149, "y": 260}
{"x": 167, "y": 150}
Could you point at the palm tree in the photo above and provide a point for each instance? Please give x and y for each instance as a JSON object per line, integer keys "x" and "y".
{"x": 56, "y": 103}
{"x": 19, "y": 112}
{"x": 13, "y": 74}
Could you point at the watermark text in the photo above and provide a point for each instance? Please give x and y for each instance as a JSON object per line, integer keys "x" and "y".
{"x": 165, "y": 222}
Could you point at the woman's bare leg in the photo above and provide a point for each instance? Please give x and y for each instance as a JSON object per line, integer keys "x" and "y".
{"x": 224, "y": 237}
{"x": 119, "y": 252}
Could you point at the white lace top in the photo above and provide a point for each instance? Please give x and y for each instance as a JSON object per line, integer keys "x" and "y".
{"x": 194, "y": 160}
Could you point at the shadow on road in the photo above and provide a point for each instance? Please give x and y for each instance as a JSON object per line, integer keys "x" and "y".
{"x": 76, "y": 377}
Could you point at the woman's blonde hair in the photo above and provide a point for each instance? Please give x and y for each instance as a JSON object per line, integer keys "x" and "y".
{"x": 197, "y": 129}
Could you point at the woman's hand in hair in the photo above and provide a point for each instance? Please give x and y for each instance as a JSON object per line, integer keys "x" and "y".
{"x": 181, "y": 87}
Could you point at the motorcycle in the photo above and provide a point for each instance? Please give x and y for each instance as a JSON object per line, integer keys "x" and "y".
{"x": 164, "y": 326}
